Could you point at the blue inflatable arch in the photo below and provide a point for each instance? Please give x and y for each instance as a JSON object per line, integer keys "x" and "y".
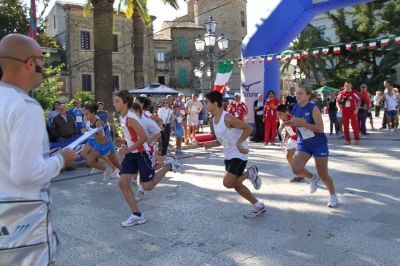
{"x": 280, "y": 28}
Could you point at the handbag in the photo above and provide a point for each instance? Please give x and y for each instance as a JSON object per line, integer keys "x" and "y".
{"x": 26, "y": 235}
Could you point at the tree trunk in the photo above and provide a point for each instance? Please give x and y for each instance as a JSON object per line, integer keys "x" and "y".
{"x": 138, "y": 48}
{"x": 103, "y": 37}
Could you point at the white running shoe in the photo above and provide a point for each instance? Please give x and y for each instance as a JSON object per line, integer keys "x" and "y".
{"x": 107, "y": 173}
{"x": 314, "y": 183}
{"x": 115, "y": 174}
{"x": 94, "y": 171}
{"x": 139, "y": 195}
{"x": 333, "y": 201}
{"x": 133, "y": 220}
{"x": 255, "y": 211}
{"x": 253, "y": 177}
{"x": 175, "y": 166}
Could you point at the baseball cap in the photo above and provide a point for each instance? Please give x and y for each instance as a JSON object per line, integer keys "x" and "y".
{"x": 237, "y": 94}
{"x": 181, "y": 94}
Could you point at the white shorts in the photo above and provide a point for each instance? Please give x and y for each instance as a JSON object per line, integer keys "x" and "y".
{"x": 193, "y": 122}
{"x": 291, "y": 144}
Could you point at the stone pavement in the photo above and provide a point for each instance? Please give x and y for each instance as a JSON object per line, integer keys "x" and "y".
{"x": 194, "y": 220}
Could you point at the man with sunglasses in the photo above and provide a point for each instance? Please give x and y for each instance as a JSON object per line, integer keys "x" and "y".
{"x": 26, "y": 167}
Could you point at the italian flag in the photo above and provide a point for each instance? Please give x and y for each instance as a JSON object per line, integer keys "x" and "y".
{"x": 297, "y": 55}
{"x": 336, "y": 50}
{"x": 397, "y": 39}
{"x": 360, "y": 46}
{"x": 385, "y": 42}
{"x": 372, "y": 45}
{"x": 305, "y": 54}
{"x": 348, "y": 47}
{"x": 325, "y": 51}
{"x": 224, "y": 71}
{"x": 269, "y": 58}
{"x": 315, "y": 53}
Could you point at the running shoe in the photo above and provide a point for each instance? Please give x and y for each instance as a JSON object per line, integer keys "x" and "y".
{"x": 115, "y": 174}
{"x": 314, "y": 183}
{"x": 255, "y": 211}
{"x": 94, "y": 171}
{"x": 253, "y": 177}
{"x": 107, "y": 173}
{"x": 175, "y": 166}
{"x": 139, "y": 194}
{"x": 133, "y": 220}
{"x": 333, "y": 201}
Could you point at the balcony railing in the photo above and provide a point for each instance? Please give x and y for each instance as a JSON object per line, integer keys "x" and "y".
{"x": 162, "y": 65}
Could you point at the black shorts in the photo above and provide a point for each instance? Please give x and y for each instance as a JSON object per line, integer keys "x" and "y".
{"x": 138, "y": 162}
{"x": 369, "y": 114}
{"x": 235, "y": 166}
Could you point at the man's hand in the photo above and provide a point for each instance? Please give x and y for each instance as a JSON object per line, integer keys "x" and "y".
{"x": 69, "y": 157}
{"x": 241, "y": 149}
{"x": 283, "y": 144}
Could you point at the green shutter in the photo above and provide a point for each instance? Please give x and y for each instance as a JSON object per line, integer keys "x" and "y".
{"x": 182, "y": 47}
{"x": 183, "y": 79}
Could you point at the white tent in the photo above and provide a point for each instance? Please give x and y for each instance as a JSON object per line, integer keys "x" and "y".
{"x": 155, "y": 89}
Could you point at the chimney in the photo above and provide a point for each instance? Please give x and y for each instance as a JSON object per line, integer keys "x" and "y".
{"x": 190, "y": 6}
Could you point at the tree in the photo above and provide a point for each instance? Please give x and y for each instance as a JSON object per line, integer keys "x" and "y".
{"x": 50, "y": 88}
{"x": 13, "y": 18}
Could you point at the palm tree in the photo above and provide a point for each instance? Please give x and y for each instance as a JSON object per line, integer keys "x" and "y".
{"x": 137, "y": 9}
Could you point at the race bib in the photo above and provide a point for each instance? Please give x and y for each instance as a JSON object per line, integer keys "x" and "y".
{"x": 347, "y": 104}
{"x": 183, "y": 112}
{"x": 306, "y": 133}
{"x": 179, "y": 119}
{"x": 290, "y": 131}
{"x": 236, "y": 114}
{"x": 79, "y": 119}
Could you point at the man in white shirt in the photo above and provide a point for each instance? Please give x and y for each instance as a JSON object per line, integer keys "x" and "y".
{"x": 193, "y": 109}
{"x": 166, "y": 114}
{"x": 25, "y": 165}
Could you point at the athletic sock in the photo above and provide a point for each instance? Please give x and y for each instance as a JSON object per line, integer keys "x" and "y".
{"x": 258, "y": 204}
{"x": 138, "y": 214}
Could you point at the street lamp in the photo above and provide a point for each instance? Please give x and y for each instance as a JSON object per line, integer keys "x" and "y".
{"x": 209, "y": 40}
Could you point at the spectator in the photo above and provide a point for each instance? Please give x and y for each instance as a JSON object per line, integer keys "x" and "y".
{"x": 181, "y": 103}
{"x": 101, "y": 113}
{"x": 364, "y": 108}
{"x": 270, "y": 118}
{"x": 193, "y": 109}
{"x": 237, "y": 108}
{"x": 291, "y": 99}
{"x": 391, "y": 107}
{"x": 378, "y": 101}
{"x": 77, "y": 114}
{"x": 166, "y": 115}
{"x": 63, "y": 126}
{"x": 258, "y": 118}
{"x": 332, "y": 111}
{"x": 53, "y": 113}
{"x": 348, "y": 102}
{"x": 26, "y": 168}
{"x": 178, "y": 116}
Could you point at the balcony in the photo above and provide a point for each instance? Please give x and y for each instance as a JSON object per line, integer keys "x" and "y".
{"x": 162, "y": 65}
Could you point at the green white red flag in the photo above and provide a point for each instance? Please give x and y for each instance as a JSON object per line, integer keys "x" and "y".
{"x": 224, "y": 71}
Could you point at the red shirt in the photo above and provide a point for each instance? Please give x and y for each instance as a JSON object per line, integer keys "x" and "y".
{"x": 268, "y": 111}
{"x": 289, "y": 130}
{"x": 348, "y": 100}
{"x": 365, "y": 97}
{"x": 237, "y": 109}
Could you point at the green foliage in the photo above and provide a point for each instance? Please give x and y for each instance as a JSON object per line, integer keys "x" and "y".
{"x": 83, "y": 96}
{"x": 50, "y": 88}
{"x": 13, "y": 17}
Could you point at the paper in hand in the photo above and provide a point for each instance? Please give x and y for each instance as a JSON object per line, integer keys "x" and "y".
{"x": 73, "y": 145}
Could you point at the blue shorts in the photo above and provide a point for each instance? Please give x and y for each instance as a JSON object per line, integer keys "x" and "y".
{"x": 316, "y": 151}
{"x": 391, "y": 113}
{"x": 179, "y": 130}
{"x": 138, "y": 162}
{"x": 91, "y": 142}
{"x": 104, "y": 149}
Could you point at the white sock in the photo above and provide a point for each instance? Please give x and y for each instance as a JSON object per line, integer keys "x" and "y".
{"x": 258, "y": 204}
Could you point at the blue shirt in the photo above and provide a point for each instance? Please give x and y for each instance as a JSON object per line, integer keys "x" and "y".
{"x": 103, "y": 115}
{"x": 77, "y": 114}
{"x": 310, "y": 138}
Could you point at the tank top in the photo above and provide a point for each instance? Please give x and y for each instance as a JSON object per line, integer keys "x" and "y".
{"x": 305, "y": 136}
{"x": 130, "y": 134}
{"x": 228, "y": 138}
{"x": 106, "y": 129}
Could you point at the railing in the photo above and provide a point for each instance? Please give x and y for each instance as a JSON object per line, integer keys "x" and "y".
{"x": 163, "y": 65}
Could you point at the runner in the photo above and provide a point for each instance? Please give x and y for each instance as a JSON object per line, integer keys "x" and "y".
{"x": 290, "y": 138}
{"x": 232, "y": 133}
{"x": 137, "y": 158}
{"x": 100, "y": 145}
{"x": 311, "y": 142}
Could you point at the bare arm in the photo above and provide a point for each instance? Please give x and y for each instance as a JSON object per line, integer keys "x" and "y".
{"x": 232, "y": 122}
{"x": 317, "y": 127}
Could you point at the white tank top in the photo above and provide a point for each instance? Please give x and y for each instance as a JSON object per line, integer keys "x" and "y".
{"x": 228, "y": 138}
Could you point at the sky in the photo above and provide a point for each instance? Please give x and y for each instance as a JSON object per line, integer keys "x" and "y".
{"x": 256, "y": 9}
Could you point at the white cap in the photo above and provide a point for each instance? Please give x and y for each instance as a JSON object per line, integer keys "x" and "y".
{"x": 181, "y": 94}
{"x": 143, "y": 95}
{"x": 237, "y": 94}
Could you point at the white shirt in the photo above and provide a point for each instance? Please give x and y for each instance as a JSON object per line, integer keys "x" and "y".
{"x": 150, "y": 126}
{"x": 130, "y": 134}
{"x": 228, "y": 138}
{"x": 391, "y": 102}
{"x": 25, "y": 165}
{"x": 165, "y": 114}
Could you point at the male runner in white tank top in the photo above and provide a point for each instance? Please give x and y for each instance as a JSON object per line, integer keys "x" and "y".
{"x": 232, "y": 134}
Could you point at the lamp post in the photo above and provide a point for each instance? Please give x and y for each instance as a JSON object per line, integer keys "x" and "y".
{"x": 298, "y": 76}
{"x": 209, "y": 40}
{"x": 199, "y": 73}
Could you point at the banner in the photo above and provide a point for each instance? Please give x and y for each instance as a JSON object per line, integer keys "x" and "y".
{"x": 252, "y": 84}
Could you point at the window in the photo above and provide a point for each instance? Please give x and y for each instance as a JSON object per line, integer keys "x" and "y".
{"x": 85, "y": 40}
{"x": 181, "y": 47}
{"x": 115, "y": 43}
{"x": 243, "y": 19}
{"x": 86, "y": 82}
{"x": 161, "y": 80}
{"x": 115, "y": 83}
{"x": 160, "y": 57}
{"x": 183, "y": 81}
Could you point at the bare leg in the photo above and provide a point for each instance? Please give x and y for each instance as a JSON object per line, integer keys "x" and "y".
{"x": 321, "y": 163}
{"x": 289, "y": 156}
{"x": 125, "y": 186}
{"x": 157, "y": 178}
{"x": 233, "y": 181}
{"x": 92, "y": 161}
{"x": 299, "y": 162}
{"x": 113, "y": 160}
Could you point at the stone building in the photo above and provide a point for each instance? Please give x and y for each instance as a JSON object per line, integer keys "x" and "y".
{"x": 74, "y": 31}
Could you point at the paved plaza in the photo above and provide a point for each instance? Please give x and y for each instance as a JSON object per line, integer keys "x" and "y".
{"x": 194, "y": 220}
